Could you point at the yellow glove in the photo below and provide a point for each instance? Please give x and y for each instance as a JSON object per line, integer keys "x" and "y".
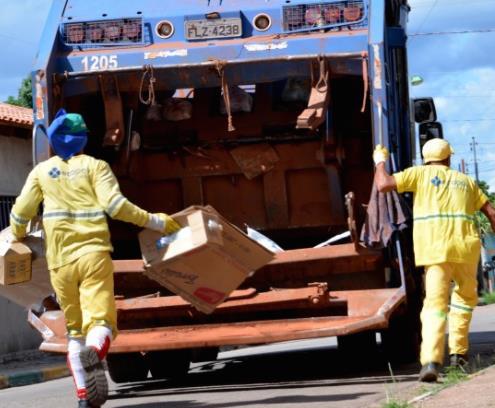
{"x": 380, "y": 155}
{"x": 163, "y": 223}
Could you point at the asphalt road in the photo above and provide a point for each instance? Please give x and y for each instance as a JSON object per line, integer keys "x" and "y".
{"x": 312, "y": 374}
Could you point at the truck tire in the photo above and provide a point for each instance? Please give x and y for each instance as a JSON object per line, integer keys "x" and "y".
{"x": 358, "y": 347}
{"x": 204, "y": 354}
{"x": 168, "y": 363}
{"x": 127, "y": 367}
{"x": 401, "y": 341}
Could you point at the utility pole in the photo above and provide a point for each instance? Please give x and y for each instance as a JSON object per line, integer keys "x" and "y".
{"x": 473, "y": 148}
{"x": 463, "y": 166}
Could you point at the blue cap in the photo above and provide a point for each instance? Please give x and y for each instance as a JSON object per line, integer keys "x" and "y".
{"x": 67, "y": 134}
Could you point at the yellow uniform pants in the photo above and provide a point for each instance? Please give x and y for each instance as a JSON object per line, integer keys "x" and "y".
{"x": 436, "y": 309}
{"x": 84, "y": 290}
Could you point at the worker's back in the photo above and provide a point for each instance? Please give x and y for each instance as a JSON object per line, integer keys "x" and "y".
{"x": 445, "y": 202}
{"x": 76, "y": 194}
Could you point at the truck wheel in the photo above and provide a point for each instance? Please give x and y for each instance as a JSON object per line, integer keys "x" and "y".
{"x": 168, "y": 363}
{"x": 401, "y": 340}
{"x": 204, "y": 354}
{"x": 358, "y": 347}
{"x": 127, "y": 367}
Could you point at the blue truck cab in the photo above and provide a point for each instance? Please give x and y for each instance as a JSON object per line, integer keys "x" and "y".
{"x": 268, "y": 110}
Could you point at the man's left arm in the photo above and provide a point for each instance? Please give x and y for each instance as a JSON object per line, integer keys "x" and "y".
{"x": 489, "y": 211}
{"x": 26, "y": 205}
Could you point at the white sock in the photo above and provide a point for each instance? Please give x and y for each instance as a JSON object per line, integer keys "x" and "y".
{"x": 74, "y": 362}
{"x": 100, "y": 338}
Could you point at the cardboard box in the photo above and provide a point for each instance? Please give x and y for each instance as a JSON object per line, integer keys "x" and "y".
{"x": 205, "y": 261}
{"x": 15, "y": 263}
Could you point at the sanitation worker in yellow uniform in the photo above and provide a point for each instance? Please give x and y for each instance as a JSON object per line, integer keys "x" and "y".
{"x": 78, "y": 192}
{"x": 446, "y": 243}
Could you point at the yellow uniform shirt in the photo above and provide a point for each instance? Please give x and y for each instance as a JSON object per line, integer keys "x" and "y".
{"x": 445, "y": 202}
{"x": 77, "y": 194}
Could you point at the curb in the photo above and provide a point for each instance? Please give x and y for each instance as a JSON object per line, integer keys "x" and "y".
{"x": 34, "y": 376}
{"x": 432, "y": 393}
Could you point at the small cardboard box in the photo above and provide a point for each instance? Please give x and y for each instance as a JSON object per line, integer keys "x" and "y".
{"x": 203, "y": 262}
{"x": 39, "y": 287}
{"x": 15, "y": 263}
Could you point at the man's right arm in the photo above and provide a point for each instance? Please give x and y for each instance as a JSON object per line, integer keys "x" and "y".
{"x": 384, "y": 181}
{"x": 489, "y": 211}
{"x": 120, "y": 208}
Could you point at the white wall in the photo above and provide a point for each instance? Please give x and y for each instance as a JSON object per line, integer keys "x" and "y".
{"x": 16, "y": 333}
{"x": 15, "y": 163}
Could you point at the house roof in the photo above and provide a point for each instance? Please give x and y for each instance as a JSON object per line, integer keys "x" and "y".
{"x": 16, "y": 115}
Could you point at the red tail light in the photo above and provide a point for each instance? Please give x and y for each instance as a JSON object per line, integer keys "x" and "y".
{"x": 94, "y": 33}
{"x": 75, "y": 33}
{"x": 332, "y": 14}
{"x": 352, "y": 13}
{"x": 113, "y": 32}
{"x": 131, "y": 30}
{"x": 313, "y": 16}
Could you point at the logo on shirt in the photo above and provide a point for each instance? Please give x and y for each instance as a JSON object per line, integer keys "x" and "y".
{"x": 436, "y": 181}
{"x": 54, "y": 173}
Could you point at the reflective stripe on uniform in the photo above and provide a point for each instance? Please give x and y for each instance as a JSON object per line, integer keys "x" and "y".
{"x": 18, "y": 220}
{"x": 440, "y": 313}
{"x": 463, "y": 308}
{"x": 113, "y": 205}
{"x": 64, "y": 214}
{"x": 74, "y": 334}
{"x": 437, "y": 313}
{"x": 445, "y": 216}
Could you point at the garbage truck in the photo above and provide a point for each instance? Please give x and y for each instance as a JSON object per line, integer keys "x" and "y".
{"x": 268, "y": 111}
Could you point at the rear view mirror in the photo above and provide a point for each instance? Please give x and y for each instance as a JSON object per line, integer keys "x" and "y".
{"x": 428, "y": 131}
{"x": 424, "y": 110}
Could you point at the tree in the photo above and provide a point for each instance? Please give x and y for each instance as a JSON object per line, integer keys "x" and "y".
{"x": 481, "y": 220}
{"x": 24, "y": 95}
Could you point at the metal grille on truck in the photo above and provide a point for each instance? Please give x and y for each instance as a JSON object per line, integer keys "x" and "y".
{"x": 305, "y": 17}
{"x": 104, "y": 33}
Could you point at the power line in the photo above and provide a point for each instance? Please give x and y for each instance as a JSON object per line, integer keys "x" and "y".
{"x": 480, "y": 143}
{"x": 463, "y": 96}
{"x": 478, "y": 31}
{"x": 423, "y": 4}
{"x": 428, "y": 15}
{"x": 469, "y": 120}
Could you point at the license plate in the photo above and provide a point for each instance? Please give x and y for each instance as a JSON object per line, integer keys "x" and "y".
{"x": 219, "y": 28}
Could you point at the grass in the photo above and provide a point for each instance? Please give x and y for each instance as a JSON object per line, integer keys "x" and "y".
{"x": 396, "y": 404}
{"x": 453, "y": 376}
{"x": 391, "y": 401}
{"x": 488, "y": 297}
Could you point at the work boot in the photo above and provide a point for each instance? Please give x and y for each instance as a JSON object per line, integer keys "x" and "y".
{"x": 94, "y": 375}
{"x": 429, "y": 372}
{"x": 459, "y": 361}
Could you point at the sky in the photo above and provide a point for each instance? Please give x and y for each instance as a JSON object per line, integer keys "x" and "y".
{"x": 449, "y": 46}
